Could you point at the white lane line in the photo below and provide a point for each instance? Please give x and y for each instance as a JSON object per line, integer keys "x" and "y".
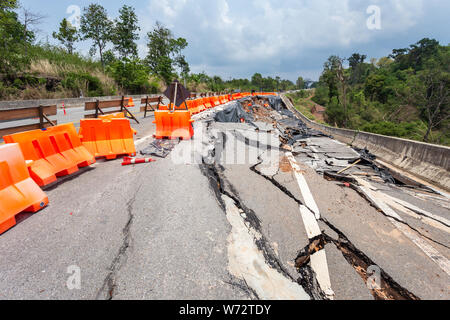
{"x": 311, "y": 225}
{"x": 318, "y": 260}
{"x": 306, "y": 193}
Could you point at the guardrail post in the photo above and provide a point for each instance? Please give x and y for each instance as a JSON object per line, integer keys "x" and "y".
{"x": 41, "y": 117}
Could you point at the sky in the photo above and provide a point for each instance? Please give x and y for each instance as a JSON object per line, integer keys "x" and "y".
{"x": 286, "y": 38}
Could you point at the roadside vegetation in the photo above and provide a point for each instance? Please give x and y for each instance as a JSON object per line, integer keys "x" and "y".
{"x": 301, "y": 99}
{"x": 404, "y": 95}
{"x": 33, "y": 70}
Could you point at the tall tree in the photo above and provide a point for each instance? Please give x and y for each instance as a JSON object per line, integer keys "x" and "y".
{"x": 329, "y": 76}
{"x": 257, "y": 80}
{"x": 164, "y": 53}
{"x": 31, "y": 20}
{"x": 356, "y": 59}
{"x": 126, "y": 33}
{"x": 356, "y": 62}
{"x": 300, "y": 83}
{"x": 337, "y": 78}
{"x": 67, "y": 35}
{"x": 278, "y": 79}
{"x": 14, "y": 39}
{"x": 429, "y": 91}
{"x": 95, "y": 25}
{"x": 343, "y": 78}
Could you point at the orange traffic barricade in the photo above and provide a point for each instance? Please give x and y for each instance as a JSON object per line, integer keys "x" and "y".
{"x": 189, "y": 106}
{"x": 107, "y": 138}
{"x": 202, "y": 104}
{"x": 223, "y": 99}
{"x": 119, "y": 115}
{"x": 212, "y": 102}
{"x": 18, "y": 192}
{"x": 196, "y": 106}
{"x": 55, "y": 152}
{"x": 173, "y": 125}
{"x": 205, "y": 104}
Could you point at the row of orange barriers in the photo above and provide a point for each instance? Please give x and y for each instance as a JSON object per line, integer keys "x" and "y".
{"x": 33, "y": 159}
{"x": 176, "y": 123}
{"x": 201, "y": 104}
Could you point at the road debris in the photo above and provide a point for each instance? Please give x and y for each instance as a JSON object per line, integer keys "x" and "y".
{"x": 159, "y": 148}
{"x": 128, "y": 160}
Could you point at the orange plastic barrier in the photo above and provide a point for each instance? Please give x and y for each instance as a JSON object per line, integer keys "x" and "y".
{"x": 236, "y": 96}
{"x": 112, "y": 116}
{"x": 55, "y": 152}
{"x": 18, "y": 192}
{"x": 216, "y": 101}
{"x": 173, "y": 125}
{"x": 199, "y": 105}
{"x": 68, "y": 144}
{"x": 190, "y": 106}
{"x": 196, "y": 106}
{"x": 170, "y": 106}
{"x": 107, "y": 139}
{"x": 212, "y": 102}
{"x": 205, "y": 104}
{"x": 223, "y": 99}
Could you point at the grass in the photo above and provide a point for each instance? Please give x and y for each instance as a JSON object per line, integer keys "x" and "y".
{"x": 53, "y": 73}
{"x": 302, "y": 102}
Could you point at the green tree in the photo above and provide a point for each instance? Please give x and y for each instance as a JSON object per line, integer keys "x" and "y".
{"x": 131, "y": 75}
{"x": 14, "y": 39}
{"x": 126, "y": 33}
{"x": 300, "y": 83}
{"x": 257, "y": 80}
{"x": 67, "y": 35}
{"x": 356, "y": 59}
{"x": 164, "y": 53}
{"x": 328, "y": 76}
{"x": 429, "y": 91}
{"x": 216, "y": 84}
{"x": 358, "y": 67}
{"x": 95, "y": 25}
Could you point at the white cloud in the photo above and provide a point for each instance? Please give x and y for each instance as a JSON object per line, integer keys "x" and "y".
{"x": 261, "y": 34}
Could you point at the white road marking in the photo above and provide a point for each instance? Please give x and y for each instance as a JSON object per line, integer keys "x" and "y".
{"x": 319, "y": 262}
{"x": 306, "y": 193}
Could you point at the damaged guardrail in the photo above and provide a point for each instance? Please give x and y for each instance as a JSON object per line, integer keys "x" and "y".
{"x": 423, "y": 160}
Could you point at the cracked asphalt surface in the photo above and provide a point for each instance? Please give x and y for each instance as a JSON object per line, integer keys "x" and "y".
{"x": 162, "y": 230}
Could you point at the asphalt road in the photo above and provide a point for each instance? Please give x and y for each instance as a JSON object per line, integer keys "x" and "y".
{"x": 188, "y": 227}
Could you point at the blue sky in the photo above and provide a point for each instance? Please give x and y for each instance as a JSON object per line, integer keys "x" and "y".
{"x": 233, "y": 38}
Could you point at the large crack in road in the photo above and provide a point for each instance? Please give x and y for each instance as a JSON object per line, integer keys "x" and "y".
{"x": 108, "y": 290}
{"x": 356, "y": 258}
